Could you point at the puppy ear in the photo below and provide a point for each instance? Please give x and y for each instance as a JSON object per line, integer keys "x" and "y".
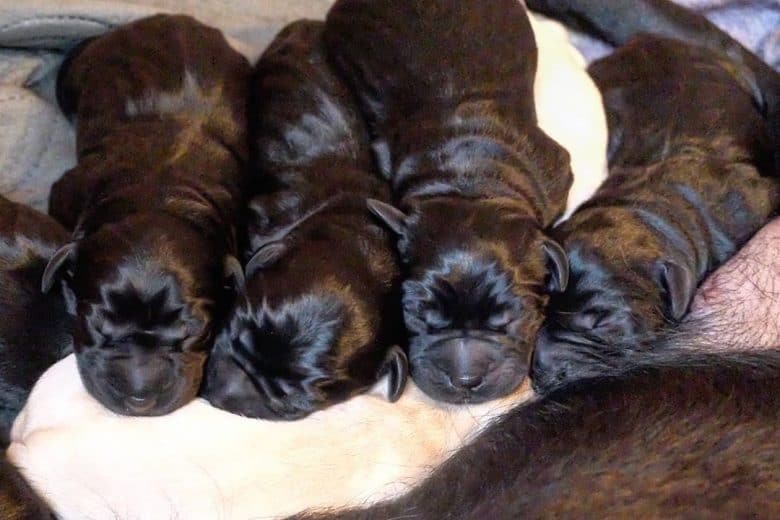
{"x": 234, "y": 274}
{"x": 396, "y": 367}
{"x": 557, "y": 265}
{"x": 64, "y": 257}
{"x": 679, "y": 286}
{"x": 393, "y": 217}
{"x": 266, "y": 256}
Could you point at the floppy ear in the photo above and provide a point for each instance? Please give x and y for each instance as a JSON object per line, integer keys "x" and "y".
{"x": 557, "y": 265}
{"x": 393, "y": 217}
{"x": 234, "y": 274}
{"x": 396, "y": 366}
{"x": 63, "y": 258}
{"x": 679, "y": 286}
{"x": 267, "y": 255}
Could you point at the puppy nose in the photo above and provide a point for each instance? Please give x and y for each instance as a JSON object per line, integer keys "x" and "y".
{"x": 140, "y": 404}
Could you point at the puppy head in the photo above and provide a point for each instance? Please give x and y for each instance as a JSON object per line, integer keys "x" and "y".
{"x": 612, "y": 306}
{"x": 474, "y": 294}
{"x": 306, "y": 335}
{"x": 143, "y": 295}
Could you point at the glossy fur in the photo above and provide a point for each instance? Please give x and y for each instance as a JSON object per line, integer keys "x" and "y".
{"x": 320, "y": 311}
{"x": 691, "y": 180}
{"x": 34, "y": 327}
{"x": 447, "y": 87}
{"x": 618, "y": 21}
{"x": 675, "y": 438}
{"x": 154, "y": 201}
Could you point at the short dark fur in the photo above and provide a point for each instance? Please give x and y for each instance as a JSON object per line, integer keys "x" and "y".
{"x": 154, "y": 202}
{"x": 447, "y": 87}
{"x": 322, "y": 298}
{"x": 18, "y": 501}
{"x": 689, "y": 155}
{"x": 34, "y": 327}
{"x": 692, "y": 437}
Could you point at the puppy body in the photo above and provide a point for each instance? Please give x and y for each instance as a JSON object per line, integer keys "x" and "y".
{"x": 322, "y": 292}
{"x": 35, "y": 327}
{"x": 454, "y": 128}
{"x": 688, "y": 155}
{"x": 154, "y": 200}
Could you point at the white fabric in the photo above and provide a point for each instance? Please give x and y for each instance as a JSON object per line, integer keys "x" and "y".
{"x": 200, "y": 462}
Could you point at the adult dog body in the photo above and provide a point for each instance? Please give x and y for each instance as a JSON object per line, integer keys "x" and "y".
{"x": 153, "y": 204}
{"x": 477, "y": 181}
{"x": 691, "y": 180}
{"x": 320, "y": 311}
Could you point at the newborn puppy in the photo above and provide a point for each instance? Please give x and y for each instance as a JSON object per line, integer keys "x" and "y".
{"x": 154, "y": 201}
{"x": 453, "y": 123}
{"x": 35, "y": 327}
{"x": 617, "y": 21}
{"x": 688, "y": 153}
{"x": 321, "y": 305}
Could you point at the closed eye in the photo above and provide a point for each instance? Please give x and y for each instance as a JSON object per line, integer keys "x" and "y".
{"x": 498, "y": 321}
{"x": 436, "y": 320}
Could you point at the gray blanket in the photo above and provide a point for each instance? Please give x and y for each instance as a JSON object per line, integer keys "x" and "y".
{"x": 36, "y": 143}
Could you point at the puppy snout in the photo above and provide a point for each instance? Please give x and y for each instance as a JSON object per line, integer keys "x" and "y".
{"x": 139, "y": 386}
{"x": 466, "y": 362}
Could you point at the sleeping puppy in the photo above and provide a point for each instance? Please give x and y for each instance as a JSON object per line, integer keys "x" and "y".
{"x": 153, "y": 203}
{"x": 453, "y": 123}
{"x": 617, "y": 21}
{"x": 35, "y": 328}
{"x": 321, "y": 305}
{"x": 688, "y": 153}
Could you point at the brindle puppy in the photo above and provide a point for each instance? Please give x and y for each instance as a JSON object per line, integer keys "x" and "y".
{"x": 154, "y": 202}
{"x": 688, "y": 153}
{"x": 322, "y": 297}
{"x": 454, "y": 127}
{"x": 35, "y": 328}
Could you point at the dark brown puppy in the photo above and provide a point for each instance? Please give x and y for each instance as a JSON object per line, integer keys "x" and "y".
{"x": 447, "y": 86}
{"x": 696, "y": 438}
{"x": 617, "y": 21}
{"x": 154, "y": 202}
{"x": 321, "y": 308}
{"x": 35, "y": 328}
{"x": 688, "y": 153}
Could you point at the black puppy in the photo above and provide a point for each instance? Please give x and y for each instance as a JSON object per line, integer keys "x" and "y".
{"x": 154, "y": 202}
{"x": 688, "y": 151}
{"x": 35, "y": 328}
{"x": 322, "y": 298}
{"x": 447, "y": 86}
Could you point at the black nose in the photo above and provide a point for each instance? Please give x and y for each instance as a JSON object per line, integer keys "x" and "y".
{"x": 466, "y": 362}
